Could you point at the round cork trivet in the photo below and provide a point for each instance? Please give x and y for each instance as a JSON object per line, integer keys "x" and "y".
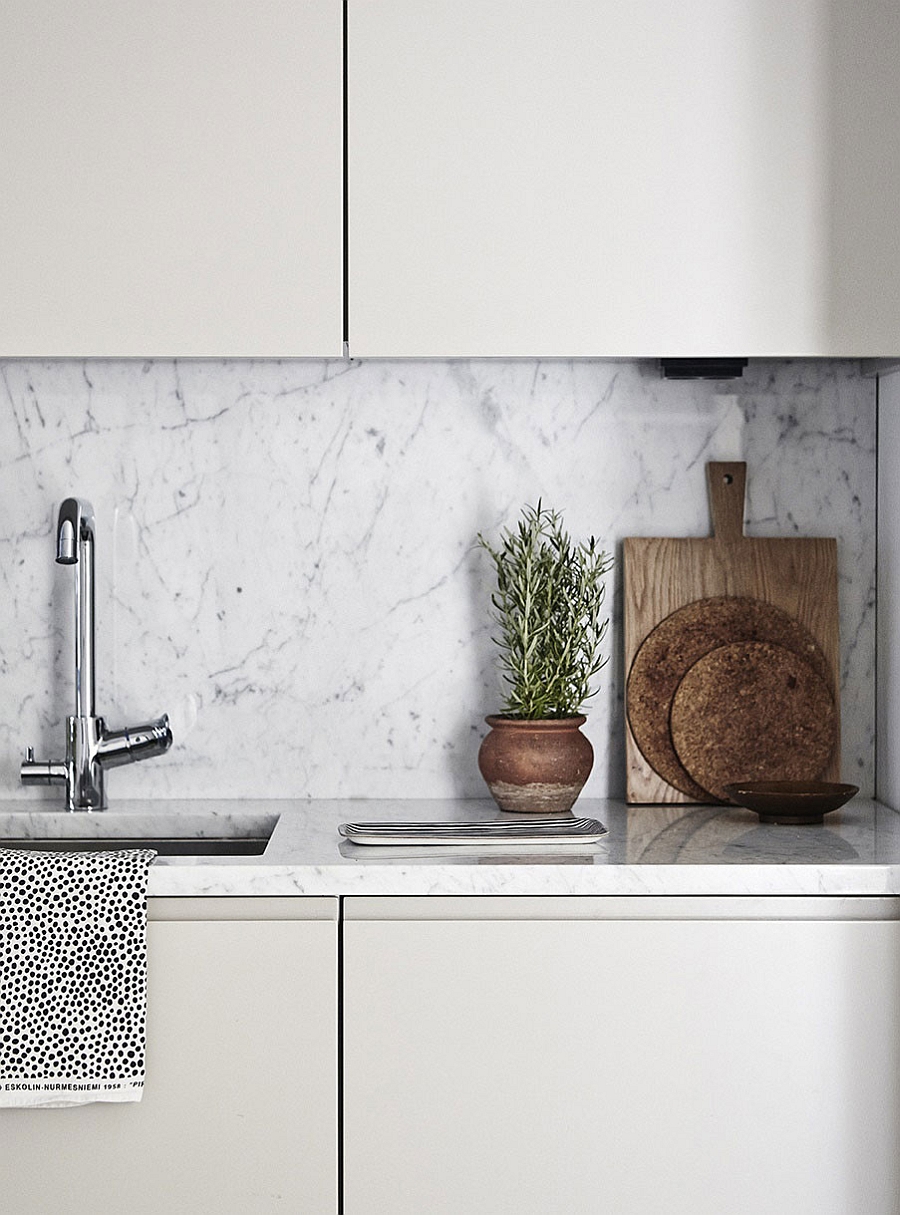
{"x": 752, "y": 711}
{"x": 673, "y": 647}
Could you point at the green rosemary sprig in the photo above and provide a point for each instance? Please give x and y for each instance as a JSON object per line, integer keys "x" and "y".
{"x": 547, "y": 604}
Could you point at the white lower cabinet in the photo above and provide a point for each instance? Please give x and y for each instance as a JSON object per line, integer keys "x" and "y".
{"x": 239, "y": 1113}
{"x": 501, "y": 1056}
{"x": 630, "y": 1056}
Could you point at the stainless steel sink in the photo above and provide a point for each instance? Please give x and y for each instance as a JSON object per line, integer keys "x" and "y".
{"x": 245, "y": 846}
{"x": 180, "y": 832}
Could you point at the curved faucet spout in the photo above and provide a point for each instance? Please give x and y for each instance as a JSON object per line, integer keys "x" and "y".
{"x": 75, "y": 546}
{"x": 74, "y": 524}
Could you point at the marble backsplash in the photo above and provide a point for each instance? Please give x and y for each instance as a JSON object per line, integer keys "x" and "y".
{"x": 285, "y": 551}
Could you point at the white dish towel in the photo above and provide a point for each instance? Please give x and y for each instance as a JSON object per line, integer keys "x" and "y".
{"x": 73, "y": 976}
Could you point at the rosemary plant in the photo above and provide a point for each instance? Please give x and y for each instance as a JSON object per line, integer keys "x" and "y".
{"x": 547, "y": 604}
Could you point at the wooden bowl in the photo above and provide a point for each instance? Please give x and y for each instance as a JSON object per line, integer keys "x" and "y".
{"x": 792, "y": 802}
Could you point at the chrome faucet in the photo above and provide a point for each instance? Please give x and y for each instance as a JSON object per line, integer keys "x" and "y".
{"x": 90, "y": 747}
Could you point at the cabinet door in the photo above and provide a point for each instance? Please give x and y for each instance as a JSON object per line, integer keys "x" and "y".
{"x": 239, "y": 1108}
{"x": 533, "y": 1056}
{"x": 172, "y": 179}
{"x": 593, "y": 177}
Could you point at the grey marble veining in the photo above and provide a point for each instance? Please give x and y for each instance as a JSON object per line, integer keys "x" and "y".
{"x": 285, "y": 549}
{"x": 650, "y": 850}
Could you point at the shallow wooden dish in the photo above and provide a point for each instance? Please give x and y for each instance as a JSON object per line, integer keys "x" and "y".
{"x": 790, "y": 802}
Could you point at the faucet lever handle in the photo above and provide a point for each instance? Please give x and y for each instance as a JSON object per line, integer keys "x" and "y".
{"x": 42, "y": 772}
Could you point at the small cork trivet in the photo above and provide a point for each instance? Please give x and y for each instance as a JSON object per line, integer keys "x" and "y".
{"x": 752, "y": 711}
{"x": 673, "y": 647}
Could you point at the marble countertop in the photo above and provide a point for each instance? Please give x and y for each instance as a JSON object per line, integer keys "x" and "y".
{"x": 649, "y": 850}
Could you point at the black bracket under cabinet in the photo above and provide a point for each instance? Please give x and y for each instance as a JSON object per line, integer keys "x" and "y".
{"x": 702, "y": 369}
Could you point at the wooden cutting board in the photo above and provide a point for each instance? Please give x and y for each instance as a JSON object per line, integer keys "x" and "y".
{"x": 663, "y": 574}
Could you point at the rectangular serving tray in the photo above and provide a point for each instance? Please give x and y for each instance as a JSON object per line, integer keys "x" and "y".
{"x": 492, "y": 832}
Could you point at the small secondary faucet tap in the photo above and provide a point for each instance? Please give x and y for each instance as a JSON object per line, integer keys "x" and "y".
{"x": 90, "y": 747}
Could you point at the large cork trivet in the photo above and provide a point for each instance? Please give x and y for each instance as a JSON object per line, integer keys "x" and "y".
{"x": 673, "y": 647}
{"x": 752, "y": 711}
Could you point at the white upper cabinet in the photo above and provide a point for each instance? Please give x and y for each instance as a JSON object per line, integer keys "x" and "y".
{"x": 582, "y": 178}
{"x": 598, "y": 178}
{"x": 172, "y": 178}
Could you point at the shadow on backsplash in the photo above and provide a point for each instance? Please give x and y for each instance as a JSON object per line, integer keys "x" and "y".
{"x": 338, "y": 645}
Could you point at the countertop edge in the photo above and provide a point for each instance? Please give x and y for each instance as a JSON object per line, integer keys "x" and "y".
{"x": 647, "y": 851}
{"x": 505, "y": 880}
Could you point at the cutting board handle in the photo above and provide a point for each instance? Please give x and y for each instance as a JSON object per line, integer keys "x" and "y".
{"x": 727, "y": 483}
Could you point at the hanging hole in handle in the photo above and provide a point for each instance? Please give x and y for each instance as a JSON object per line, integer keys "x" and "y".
{"x": 728, "y": 479}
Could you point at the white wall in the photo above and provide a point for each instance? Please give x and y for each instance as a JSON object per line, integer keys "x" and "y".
{"x": 285, "y": 550}
{"x": 888, "y": 687}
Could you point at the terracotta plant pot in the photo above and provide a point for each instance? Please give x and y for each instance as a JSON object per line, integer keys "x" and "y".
{"x": 535, "y": 767}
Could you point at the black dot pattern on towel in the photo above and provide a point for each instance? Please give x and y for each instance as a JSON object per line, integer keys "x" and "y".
{"x": 73, "y": 972}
